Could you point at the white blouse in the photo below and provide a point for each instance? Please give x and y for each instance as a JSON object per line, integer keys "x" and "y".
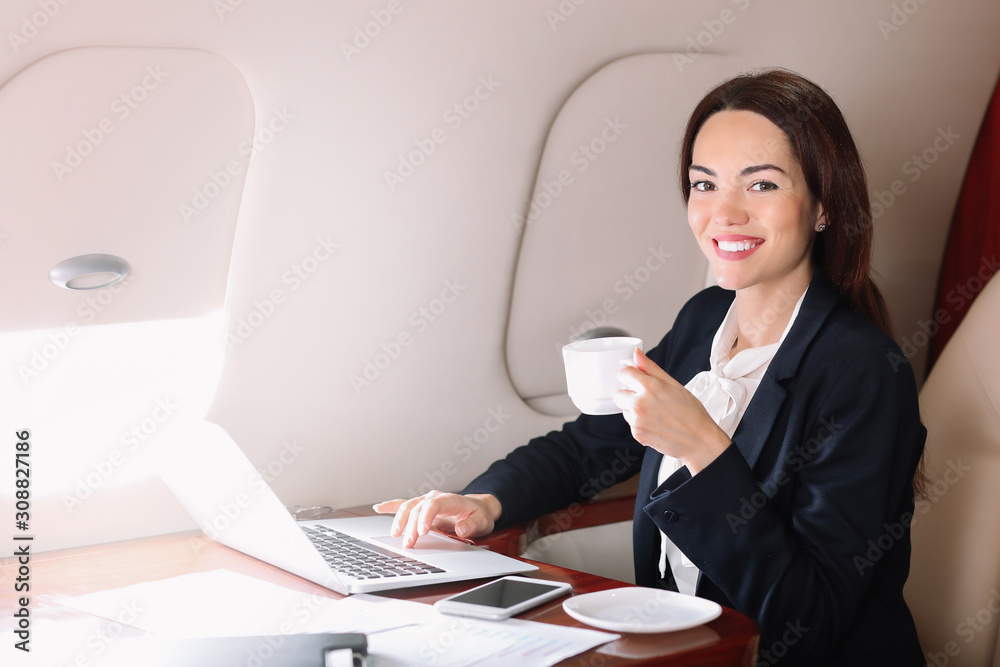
{"x": 725, "y": 390}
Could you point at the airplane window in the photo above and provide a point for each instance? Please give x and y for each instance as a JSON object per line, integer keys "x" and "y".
{"x": 101, "y": 397}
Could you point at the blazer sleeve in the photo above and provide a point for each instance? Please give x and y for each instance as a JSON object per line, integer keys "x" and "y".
{"x": 844, "y": 479}
{"x": 551, "y": 472}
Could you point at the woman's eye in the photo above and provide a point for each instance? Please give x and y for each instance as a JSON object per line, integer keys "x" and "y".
{"x": 702, "y": 186}
{"x": 761, "y": 186}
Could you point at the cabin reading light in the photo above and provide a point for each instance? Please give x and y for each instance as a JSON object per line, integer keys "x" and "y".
{"x": 92, "y": 271}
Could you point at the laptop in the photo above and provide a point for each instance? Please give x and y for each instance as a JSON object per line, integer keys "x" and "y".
{"x": 231, "y": 502}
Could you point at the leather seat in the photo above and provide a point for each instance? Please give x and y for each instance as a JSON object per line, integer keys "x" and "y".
{"x": 954, "y": 585}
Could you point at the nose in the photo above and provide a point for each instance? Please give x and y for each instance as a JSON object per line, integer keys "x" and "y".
{"x": 729, "y": 210}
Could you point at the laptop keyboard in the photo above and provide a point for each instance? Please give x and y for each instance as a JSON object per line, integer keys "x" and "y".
{"x": 362, "y": 560}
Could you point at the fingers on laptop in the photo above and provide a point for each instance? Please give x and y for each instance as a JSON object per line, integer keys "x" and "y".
{"x": 388, "y": 506}
{"x": 414, "y": 517}
{"x": 444, "y": 511}
{"x": 402, "y": 510}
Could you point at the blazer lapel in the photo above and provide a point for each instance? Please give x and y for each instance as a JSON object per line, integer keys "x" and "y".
{"x": 758, "y": 420}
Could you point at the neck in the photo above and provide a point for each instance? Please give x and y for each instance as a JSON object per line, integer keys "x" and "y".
{"x": 763, "y": 312}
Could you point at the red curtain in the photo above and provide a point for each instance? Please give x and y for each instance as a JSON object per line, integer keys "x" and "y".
{"x": 972, "y": 254}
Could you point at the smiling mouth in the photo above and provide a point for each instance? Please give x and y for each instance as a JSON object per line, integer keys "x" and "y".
{"x": 735, "y": 249}
{"x": 738, "y": 246}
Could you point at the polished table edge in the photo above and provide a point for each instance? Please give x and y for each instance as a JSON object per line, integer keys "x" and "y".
{"x": 731, "y": 638}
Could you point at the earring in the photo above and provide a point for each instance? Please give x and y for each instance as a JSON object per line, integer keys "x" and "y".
{"x": 822, "y": 226}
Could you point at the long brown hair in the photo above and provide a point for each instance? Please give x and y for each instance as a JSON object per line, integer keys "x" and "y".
{"x": 830, "y": 161}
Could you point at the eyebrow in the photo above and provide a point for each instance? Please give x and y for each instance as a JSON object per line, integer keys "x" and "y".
{"x": 745, "y": 172}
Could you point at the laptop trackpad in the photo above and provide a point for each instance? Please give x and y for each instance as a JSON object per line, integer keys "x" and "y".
{"x": 430, "y": 543}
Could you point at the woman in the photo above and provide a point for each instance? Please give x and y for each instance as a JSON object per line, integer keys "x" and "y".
{"x": 775, "y": 428}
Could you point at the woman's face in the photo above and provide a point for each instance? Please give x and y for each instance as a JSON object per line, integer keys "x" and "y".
{"x": 750, "y": 208}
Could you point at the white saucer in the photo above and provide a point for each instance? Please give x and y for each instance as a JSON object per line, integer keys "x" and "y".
{"x": 636, "y": 609}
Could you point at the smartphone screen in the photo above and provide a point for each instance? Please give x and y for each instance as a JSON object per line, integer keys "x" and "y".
{"x": 504, "y": 593}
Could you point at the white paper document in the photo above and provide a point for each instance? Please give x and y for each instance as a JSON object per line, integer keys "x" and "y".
{"x": 453, "y": 641}
{"x": 221, "y": 603}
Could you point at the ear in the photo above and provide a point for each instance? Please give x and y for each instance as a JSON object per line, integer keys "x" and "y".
{"x": 820, "y": 218}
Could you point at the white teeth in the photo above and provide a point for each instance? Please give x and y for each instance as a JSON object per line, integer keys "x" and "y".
{"x": 737, "y": 246}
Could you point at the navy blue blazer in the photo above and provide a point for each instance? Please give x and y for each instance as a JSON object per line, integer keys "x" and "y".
{"x": 803, "y": 522}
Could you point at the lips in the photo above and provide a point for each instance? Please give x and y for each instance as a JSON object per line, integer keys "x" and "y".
{"x": 735, "y": 247}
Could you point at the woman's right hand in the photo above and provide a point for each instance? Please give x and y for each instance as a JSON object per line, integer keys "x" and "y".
{"x": 466, "y": 516}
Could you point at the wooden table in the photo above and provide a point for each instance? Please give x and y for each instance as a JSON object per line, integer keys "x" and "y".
{"x": 730, "y": 639}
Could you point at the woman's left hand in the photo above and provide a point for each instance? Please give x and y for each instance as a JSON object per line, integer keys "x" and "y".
{"x": 667, "y": 417}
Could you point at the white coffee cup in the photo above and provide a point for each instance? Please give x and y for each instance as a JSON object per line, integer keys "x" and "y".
{"x": 592, "y": 368}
